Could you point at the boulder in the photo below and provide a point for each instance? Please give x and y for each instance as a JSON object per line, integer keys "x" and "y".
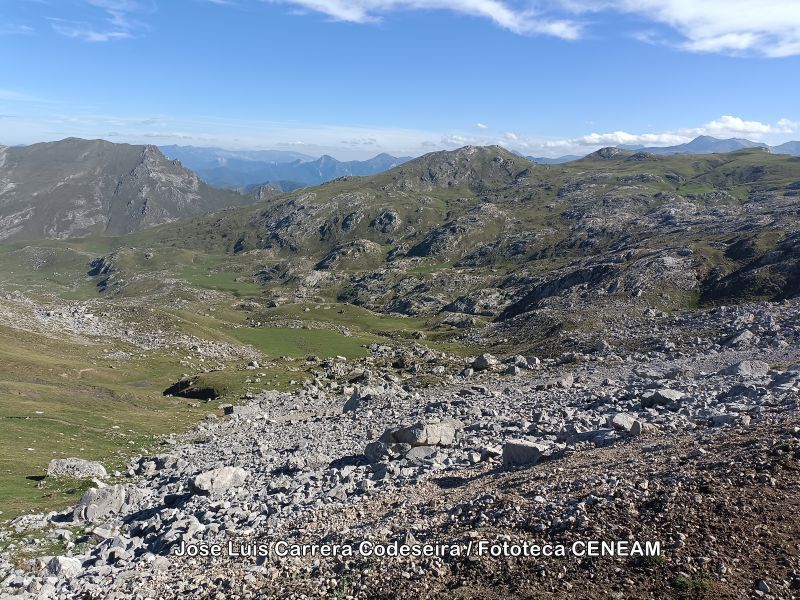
{"x": 484, "y": 362}
{"x": 743, "y": 338}
{"x": 100, "y": 504}
{"x": 602, "y": 346}
{"x": 398, "y": 441}
{"x": 566, "y": 381}
{"x": 748, "y": 368}
{"x": 624, "y": 422}
{"x": 76, "y": 468}
{"x": 375, "y": 451}
{"x": 240, "y": 410}
{"x": 218, "y": 481}
{"x": 533, "y": 362}
{"x": 521, "y": 453}
{"x": 661, "y": 397}
{"x": 64, "y": 566}
{"x": 422, "y": 434}
{"x": 519, "y": 361}
{"x": 359, "y": 397}
{"x": 667, "y": 395}
{"x": 723, "y": 419}
{"x": 420, "y": 453}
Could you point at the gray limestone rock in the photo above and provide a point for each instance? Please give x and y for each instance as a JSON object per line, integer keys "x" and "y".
{"x": 76, "y": 468}
{"x": 218, "y": 481}
{"x": 520, "y": 453}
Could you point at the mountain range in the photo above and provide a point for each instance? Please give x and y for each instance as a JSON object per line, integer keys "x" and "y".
{"x": 628, "y": 307}
{"x": 244, "y": 170}
{"x": 484, "y": 232}
{"x": 703, "y": 144}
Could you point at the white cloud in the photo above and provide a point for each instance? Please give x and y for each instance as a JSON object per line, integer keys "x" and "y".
{"x": 768, "y": 28}
{"x": 759, "y": 27}
{"x": 15, "y": 29}
{"x": 346, "y": 142}
{"x": 7, "y": 95}
{"x": 118, "y": 21}
{"x": 368, "y": 141}
{"x": 481, "y": 126}
{"x": 84, "y": 31}
{"x": 621, "y": 137}
{"x": 788, "y": 126}
{"x": 503, "y": 14}
{"x": 456, "y": 141}
{"x": 725, "y": 126}
{"x": 730, "y": 126}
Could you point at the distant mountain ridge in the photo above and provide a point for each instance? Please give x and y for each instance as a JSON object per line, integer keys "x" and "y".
{"x": 209, "y": 157}
{"x": 704, "y": 144}
{"x": 242, "y": 170}
{"x": 76, "y": 187}
{"x": 543, "y": 160}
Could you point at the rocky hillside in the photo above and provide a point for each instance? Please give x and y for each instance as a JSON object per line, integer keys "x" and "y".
{"x": 80, "y": 187}
{"x": 694, "y": 448}
{"x": 480, "y": 233}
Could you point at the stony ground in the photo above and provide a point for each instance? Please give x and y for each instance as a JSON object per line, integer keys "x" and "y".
{"x": 693, "y": 444}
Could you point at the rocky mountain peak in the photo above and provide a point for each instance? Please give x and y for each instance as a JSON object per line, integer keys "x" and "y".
{"x": 610, "y": 153}
{"x": 471, "y": 166}
{"x": 77, "y": 187}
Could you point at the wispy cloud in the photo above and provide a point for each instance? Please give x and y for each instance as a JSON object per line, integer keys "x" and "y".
{"x": 15, "y": 29}
{"x": 11, "y": 95}
{"x": 512, "y": 17}
{"x": 765, "y": 28}
{"x": 769, "y": 28}
{"x": 369, "y": 141}
{"x": 84, "y": 31}
{"x": 116, "y": 20}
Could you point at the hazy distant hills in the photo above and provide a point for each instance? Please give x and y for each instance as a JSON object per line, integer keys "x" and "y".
{"x": 245, "y": 169}
{"x": 704, "y": 144}
{"x": 76, "y": 187}
{"x": 543, "y": 160}
{"x": 792, "y": 148}
{"x": 208, "y": 158}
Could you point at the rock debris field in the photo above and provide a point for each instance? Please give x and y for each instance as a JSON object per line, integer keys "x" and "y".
{"x": 694, "y": 446}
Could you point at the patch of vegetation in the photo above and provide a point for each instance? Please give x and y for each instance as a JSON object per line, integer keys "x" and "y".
{"x": 60, "y": 399}
{"x": 426, "y": 268}
{"x": 692, "y": 588}
{"x": 280, "y": 341}
{"x": 649, "y": 562}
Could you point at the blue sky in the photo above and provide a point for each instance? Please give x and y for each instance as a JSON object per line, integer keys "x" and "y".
{"x": 355, "y": 78}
